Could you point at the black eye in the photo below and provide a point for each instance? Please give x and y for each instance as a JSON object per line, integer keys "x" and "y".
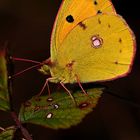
{"x": 70, "y": 18}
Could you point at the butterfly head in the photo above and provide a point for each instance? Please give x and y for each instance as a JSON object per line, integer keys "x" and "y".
{"x": 45, "y": 70}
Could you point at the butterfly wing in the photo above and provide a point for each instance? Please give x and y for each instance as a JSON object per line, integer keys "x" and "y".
{"x": 103, "y": 50}
{"x": 78, "y": 10}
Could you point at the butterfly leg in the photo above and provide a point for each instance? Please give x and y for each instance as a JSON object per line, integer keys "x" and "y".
{"x": 78, "y": 81}
{"x": 69, "y": 93}
{"x": 44, "y": 86}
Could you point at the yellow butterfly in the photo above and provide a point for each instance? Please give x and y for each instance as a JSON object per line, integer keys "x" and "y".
{"x": 89, "y": 43}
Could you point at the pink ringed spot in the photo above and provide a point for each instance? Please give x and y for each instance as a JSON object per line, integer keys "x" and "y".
{"x": 96, "y": 41}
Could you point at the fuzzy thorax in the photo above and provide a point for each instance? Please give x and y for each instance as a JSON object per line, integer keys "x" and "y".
{"x": 59, "y": 73}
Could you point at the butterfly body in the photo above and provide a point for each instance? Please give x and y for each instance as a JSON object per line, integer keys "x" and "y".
{"x": 91, "y": 42}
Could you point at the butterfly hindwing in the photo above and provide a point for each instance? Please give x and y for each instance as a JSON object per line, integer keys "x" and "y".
{"x": 101, "y": 48}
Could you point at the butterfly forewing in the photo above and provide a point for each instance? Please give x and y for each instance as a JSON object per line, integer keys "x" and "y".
{"x": 71, "y": 13}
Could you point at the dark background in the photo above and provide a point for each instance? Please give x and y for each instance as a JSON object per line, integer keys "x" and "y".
{"x": 27, "y": 24}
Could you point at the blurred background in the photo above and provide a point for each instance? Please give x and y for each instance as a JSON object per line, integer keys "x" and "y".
{"x": 27, "y": 25}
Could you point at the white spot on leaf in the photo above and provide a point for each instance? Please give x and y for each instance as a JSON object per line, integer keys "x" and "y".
{"x": 49, "y": 99}
{"x": 56, "y": 106}
{"x": 49, "y": 115}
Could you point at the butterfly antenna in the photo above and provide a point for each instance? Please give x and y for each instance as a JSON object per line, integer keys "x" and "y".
{"x": 30, "y": 68}
{"x": 27, "y": 69}
{"x": 47, "y": 61}
{"x": 25, "y": 60}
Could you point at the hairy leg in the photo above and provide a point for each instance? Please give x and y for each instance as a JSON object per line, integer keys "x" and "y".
{"x": 46, "y": 84}
{"x": 69, "y": 93}
{"x": 78, "y": 81}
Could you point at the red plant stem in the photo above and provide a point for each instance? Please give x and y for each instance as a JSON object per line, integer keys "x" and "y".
{"x": 2, "y": 129}
{"x": 18, "y": 123}
{"x": 10, "y": 69}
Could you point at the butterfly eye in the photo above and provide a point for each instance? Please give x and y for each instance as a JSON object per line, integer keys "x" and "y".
{"x": 96, "y": 41}
{"x": 70, "y": 18}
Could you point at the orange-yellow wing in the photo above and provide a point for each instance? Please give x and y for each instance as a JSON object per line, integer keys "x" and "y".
{"x": 73, "y": 12}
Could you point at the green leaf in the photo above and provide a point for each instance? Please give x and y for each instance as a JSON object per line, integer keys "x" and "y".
{"x": 4, "y": 96}
{"x": 8, "y": 133}
{"x": 59, "y": 110}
